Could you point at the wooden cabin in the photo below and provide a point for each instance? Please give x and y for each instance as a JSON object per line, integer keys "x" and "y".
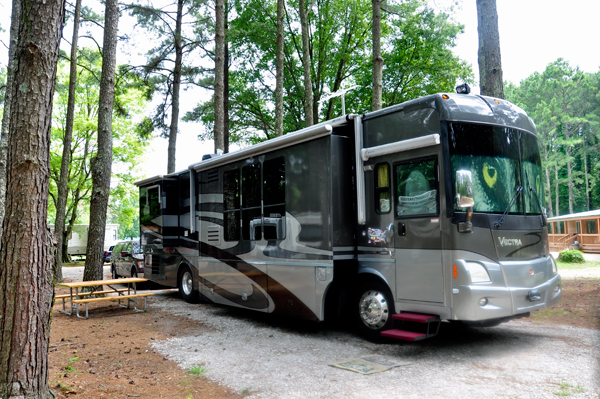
{"x": 575, "y": 231}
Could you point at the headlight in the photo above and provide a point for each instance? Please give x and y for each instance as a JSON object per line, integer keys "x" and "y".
{"x": 478, "y": 273}
{"x": 554, "y": 267}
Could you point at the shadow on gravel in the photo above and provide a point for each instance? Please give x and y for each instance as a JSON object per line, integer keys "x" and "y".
{"x": 452, "y": 338}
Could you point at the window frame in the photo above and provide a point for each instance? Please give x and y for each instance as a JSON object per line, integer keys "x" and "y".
{"x": 436, "y": 180}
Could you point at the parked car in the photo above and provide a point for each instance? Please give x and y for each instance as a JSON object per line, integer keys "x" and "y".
{"x": 107, "y": 254}
{"x": 127, "y": 259}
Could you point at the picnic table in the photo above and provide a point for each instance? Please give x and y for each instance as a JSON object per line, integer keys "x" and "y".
{"x": 77, "y": 298}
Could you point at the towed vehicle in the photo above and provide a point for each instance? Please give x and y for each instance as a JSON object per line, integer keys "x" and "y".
{"x": 127, "y": 259}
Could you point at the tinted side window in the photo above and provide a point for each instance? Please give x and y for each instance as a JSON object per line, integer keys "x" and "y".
{"x": 251, "y": 202}
{"x": 416, "y": 188}
{"x": 251, "y": 186}
{"x": 231, "y": 204}
{"x": 382, "y": 188}
{"x": 274, "y": 198}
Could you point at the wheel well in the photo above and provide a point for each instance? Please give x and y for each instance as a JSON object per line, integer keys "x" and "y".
{"x": 181, "y": 268}
{"x": 366, "y": 278}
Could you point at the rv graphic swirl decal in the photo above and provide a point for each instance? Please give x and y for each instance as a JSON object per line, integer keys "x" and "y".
{"x": 284, "y": 300}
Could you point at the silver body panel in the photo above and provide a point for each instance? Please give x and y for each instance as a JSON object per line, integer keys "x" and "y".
{"x": 333, "y": 232}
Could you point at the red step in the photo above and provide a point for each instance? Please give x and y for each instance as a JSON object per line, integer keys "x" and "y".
{"x": 404, "y": 335}
{"x": 415, "y": 317}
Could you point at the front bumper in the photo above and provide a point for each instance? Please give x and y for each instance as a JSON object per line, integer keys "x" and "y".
{"x": 503, "y": 301}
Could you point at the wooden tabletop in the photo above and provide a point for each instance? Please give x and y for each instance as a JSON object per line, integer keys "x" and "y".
{"x": 103, "y": 282}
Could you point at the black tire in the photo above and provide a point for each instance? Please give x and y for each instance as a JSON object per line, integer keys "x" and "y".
{"x": 185, "y": 283}
{"x": 134, "y": 272}
{"x": 113, "y": 271}
{"x": 373, "y": 308}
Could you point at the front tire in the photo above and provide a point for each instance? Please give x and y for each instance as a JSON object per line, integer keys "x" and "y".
{"x": 374, "y": 308}
{"x": 186, "y": 285}
{"x": 113, "y": 271}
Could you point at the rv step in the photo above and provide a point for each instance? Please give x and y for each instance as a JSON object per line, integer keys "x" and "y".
{"x": 416, "y": 318}
{"x": 403, "y": 335}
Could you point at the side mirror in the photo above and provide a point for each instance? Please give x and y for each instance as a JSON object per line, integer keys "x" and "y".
{"x": 464, "y": 189}
{"x": 465, "y": 198}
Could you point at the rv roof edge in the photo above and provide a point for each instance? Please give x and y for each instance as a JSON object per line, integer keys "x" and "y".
{"x": 152, "y": 179}
{"x": 309, "y": 133}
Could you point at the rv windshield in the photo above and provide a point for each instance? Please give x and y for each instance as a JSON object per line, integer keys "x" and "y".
{"x": 500, "y": 160}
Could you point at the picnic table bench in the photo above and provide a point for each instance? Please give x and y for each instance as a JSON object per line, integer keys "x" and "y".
{"x": 130, "y": 294}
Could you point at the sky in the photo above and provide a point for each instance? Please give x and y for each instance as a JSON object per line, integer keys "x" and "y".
{"x": 533, "y": 33}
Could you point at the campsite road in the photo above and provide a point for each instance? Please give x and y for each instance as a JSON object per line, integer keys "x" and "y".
{"x": 270, "y": 357}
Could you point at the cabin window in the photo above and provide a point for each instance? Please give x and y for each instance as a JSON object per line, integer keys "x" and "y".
{"x": 231, "y": 205}
{"x": 416, "y": 188}
{"x": 150, "y": 209}
{"x": 254, "y": 202}
{"x": 251, "y": 202}
{"x": 382, "y": 188}
{"x": 273, "y": 198}
{"x": 578, "y": 227}
{"x": 590, "y": 226}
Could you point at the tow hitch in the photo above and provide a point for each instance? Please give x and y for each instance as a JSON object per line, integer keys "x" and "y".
{"x": 534, "y": 296}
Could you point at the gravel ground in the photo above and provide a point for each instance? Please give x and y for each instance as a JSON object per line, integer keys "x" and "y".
{"x": 270, "y": 357}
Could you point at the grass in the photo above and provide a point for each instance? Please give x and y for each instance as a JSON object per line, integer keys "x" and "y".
{"x": 197, "y": 371}
{"x": 567, "y": 389}
{"x": 70, "y": 367}
{"x": 572, "y": 266}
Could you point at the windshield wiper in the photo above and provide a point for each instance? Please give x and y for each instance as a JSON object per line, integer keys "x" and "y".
{"x": 512, "y": 200}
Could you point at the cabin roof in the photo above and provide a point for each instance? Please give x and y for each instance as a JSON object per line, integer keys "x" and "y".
{"x": 580, "y": 215}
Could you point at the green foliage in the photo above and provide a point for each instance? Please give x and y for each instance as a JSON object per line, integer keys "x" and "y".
{"x": 157, "y": 75}
{"x": 564, "y": 103}
{"x": 129, "y": 141}
{"x": 197, "y": 370}
{"x": 416, "y": 46}
{"x": 571, "y": 256}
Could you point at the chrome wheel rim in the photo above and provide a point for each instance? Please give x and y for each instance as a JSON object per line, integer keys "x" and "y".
{"x": 187, "y": 282}
{"x": 373, "y": 309}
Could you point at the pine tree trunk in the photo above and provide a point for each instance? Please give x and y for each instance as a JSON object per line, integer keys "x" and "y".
{"x": 556, "y": 188}
{"x": 585, "y": 173}
{"x": 61, "y": 203}
{"x": 8, "y": 94}
{"x": 376, "y": 101}
{"x": 226, "y": 86}
{"x": 101, "y": 164}
{"x": 219, "y": 73}
{"x": 26, "y": 277}
{"x": 173, "y": 128}
{"x": 549, "y": 193}
{"x": 570, "y": 185}
{"x": 490, "y": 63}
{"x": 279, "y": 71}
{"x": 308, "y": 92}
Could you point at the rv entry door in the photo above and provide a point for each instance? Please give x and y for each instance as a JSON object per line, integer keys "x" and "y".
{"x": 417, "y": 233}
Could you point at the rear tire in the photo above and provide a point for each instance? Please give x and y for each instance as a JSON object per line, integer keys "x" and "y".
{"x": 114, "y": 272}
{"x": 374, "y": 308}
{"x": 185, "y": 283}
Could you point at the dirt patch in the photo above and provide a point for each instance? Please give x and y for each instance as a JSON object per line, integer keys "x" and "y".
{"x": 579, "y": 307}
{"x": 109, "y": 355}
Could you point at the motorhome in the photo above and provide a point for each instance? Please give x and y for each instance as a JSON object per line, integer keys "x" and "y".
{"x": 426, "y": 211}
